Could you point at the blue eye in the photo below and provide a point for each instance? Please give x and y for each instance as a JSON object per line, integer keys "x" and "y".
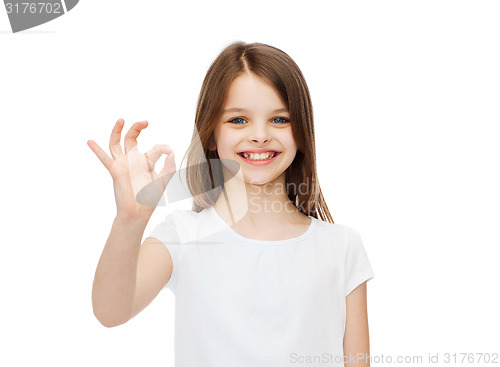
{"x": 237, "y": 119}
{"x": 240, "y": 120}
{"x": 283, "y": 120}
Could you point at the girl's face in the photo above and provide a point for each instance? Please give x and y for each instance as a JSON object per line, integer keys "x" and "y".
{"x": 255, "y": 120}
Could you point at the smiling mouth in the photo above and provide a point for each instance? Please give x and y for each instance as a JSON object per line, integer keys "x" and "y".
{"x": 258, "y": 156}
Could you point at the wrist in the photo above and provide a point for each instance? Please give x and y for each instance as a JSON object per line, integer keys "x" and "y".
{"x": 139, "y": 219}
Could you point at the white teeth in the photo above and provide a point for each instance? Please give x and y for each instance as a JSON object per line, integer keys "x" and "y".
{"x": 258, "y": 156}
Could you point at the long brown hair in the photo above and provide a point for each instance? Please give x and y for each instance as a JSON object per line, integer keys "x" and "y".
{"x": 205, "y": 181}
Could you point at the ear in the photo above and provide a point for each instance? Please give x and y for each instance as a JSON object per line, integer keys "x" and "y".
{"x": 212, "y": 147}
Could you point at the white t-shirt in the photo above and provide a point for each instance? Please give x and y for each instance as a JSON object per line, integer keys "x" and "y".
{"x": 245, "y": 302}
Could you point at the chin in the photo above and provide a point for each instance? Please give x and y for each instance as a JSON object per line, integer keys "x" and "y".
{"x": 253, "y": 180}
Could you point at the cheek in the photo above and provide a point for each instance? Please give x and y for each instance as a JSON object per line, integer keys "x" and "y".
{"x": 291, "y": 155}
{"x": 226, "y": 141}
{"x": 289, "y": 142}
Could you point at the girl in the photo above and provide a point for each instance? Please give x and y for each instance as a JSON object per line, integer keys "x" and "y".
{"x": 262, "y": 276}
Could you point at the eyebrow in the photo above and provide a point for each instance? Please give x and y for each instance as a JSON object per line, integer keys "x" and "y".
{"x": 238, "y": 109}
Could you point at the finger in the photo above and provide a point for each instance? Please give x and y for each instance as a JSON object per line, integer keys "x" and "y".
{"x": 114, "y": 141}
{"x": 168, "y": 169}
{"x": 131, "y": 137}
{"x": 101, "y": 154}
{"x": 156, "y": 152}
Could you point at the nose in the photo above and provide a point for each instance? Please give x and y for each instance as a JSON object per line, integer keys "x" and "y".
{"x": 260, "y": 134}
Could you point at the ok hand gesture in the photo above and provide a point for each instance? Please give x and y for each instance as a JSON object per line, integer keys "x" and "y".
{"x": 132, "y": 171}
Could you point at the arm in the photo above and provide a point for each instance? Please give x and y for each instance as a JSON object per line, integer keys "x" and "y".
{"x": 122, "y": 271}
{"x": 115, "y": 277}
{"x": 356, "y": 337}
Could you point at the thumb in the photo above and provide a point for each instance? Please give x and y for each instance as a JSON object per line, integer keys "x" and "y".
{"x": 168, "y": 169}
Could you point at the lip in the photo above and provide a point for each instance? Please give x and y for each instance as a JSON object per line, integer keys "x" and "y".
{"x": 263, "y": 150}
{"x": 259, "y": 163}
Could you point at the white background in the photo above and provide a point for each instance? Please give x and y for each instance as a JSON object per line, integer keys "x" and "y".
{"x": 406, "y": 102}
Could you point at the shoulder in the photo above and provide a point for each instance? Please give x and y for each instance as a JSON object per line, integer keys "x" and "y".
{"x": 177, "y": 220}
{"x": 190, "y": 226}
{"x": 342, "y": 235}
{"x": 183, "y": 216}
{"x": 332, "y": 229}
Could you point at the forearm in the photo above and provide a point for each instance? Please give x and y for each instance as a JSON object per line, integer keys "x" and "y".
{"x": 356, "y": 337}
{"x": 115, "y": 277}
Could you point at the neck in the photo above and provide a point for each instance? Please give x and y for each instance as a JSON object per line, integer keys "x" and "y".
{"x": 261, "y": 204}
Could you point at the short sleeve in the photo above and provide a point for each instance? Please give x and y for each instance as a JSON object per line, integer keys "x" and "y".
{"x": 357, "y": 265}
{"x": 166, "y": 232}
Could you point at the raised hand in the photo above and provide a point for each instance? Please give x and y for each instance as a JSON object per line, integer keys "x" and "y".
{"x": 133, "y": 171}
